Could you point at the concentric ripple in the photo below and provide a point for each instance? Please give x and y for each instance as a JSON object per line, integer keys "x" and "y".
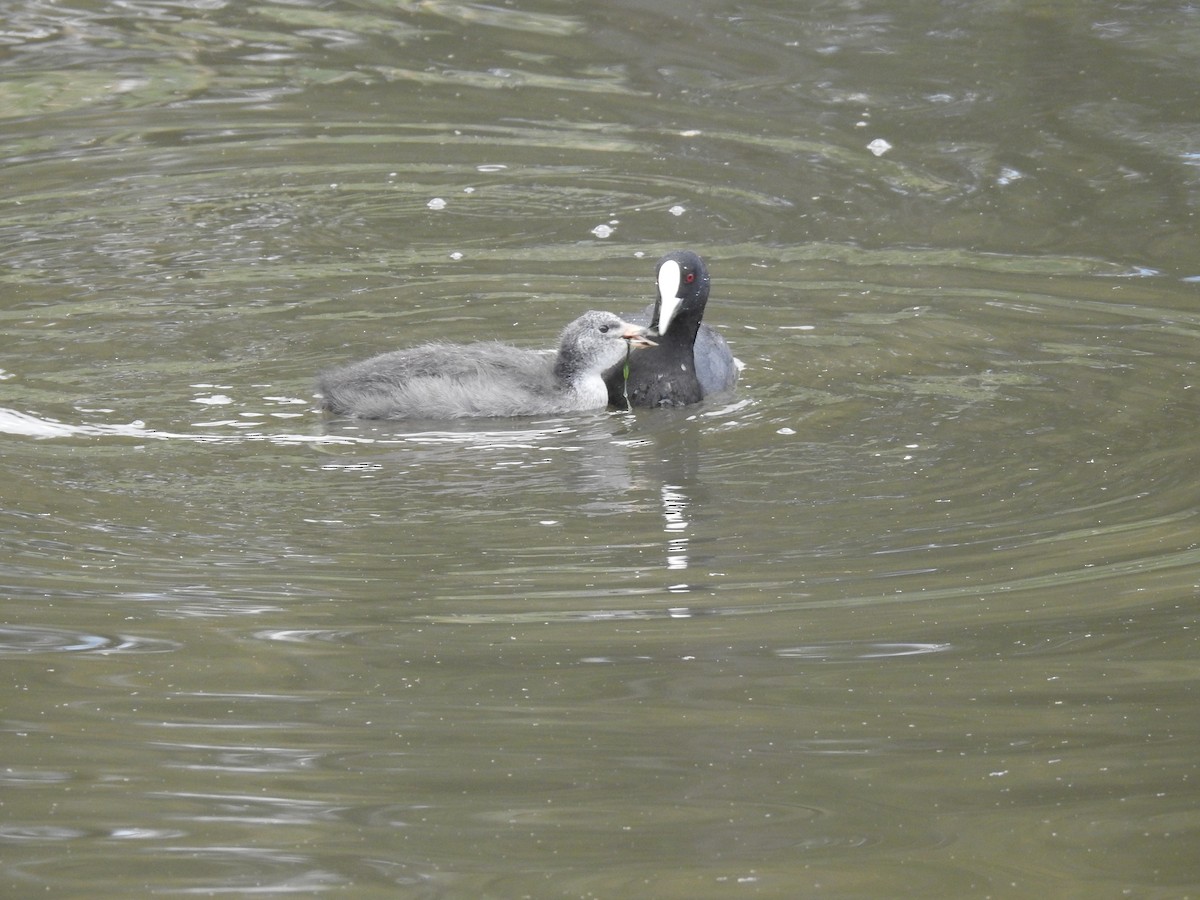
{"x": 28, "y": 640}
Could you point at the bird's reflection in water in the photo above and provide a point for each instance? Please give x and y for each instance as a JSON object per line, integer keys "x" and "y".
{"x": 675, "y": 505}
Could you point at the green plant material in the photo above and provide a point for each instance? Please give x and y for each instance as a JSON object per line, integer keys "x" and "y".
{"x": 625, "y": 375}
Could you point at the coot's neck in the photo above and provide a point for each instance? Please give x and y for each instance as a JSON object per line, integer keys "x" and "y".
{"x": 684, "y": 327}
{"x": 566, "y": 365}
{"x": 574, "y": 377}
{"x": 571, "y": 367}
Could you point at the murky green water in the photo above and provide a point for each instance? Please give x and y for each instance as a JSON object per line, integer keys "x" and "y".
{"x": 914, "y": 613}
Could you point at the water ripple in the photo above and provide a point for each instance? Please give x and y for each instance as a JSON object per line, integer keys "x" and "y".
{"x": 16, "y": 640}
{"x": 853, "y": 651}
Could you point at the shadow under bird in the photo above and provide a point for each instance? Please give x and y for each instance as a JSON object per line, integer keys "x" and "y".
{"x": 691, "y": 360}
{"x": 452, "y": 381}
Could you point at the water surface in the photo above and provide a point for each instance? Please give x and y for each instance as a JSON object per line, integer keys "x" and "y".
{"x": 912, "y": 613}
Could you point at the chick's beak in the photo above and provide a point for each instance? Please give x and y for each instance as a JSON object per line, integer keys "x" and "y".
{"x": 637, "y": 336}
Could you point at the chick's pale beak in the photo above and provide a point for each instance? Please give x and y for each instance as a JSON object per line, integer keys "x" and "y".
{"x": 637, "y": 336}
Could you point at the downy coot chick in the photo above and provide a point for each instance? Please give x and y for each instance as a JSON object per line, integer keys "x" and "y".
{"x": 452, "y": 381}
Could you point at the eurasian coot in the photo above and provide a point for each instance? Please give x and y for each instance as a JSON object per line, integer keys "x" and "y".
{"x": 691, "y": 360}
{"x": 451, "y": 381}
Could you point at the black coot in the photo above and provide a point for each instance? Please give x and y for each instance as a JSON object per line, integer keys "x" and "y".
{"x": 691, "y": 361}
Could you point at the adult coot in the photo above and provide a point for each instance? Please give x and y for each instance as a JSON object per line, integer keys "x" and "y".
{"x": 451, "y": 381}
{"x": 691, "y": 360}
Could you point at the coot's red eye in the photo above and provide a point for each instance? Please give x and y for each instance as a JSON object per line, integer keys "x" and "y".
{"x": 691, "y": 276}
